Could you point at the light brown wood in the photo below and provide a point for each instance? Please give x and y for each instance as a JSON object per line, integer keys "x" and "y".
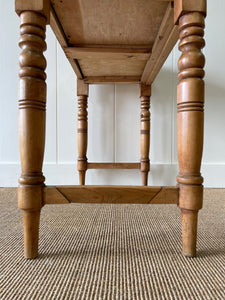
{"x": 189, "y": 221}
{"x": 167, "y": 195}
{"x": 112, "y": 79}
{"x": 81, "y": 23}
{"x": 76, "y": 67}
{"x": 182, "y": 7}
{"x": 57, "y": 29}
{"x": 82, "y": 88}
{"x": 166, "y": 39}
{"x": 113, "y": 166}
{"x": 145, "y": 93}
{"x": 114, "y": 194}
{"x": 106, "y": 22}
{"x": 120, "y": 53}
{"x": 112, "y": 41}
{"x": 145, "y": 90}
{"x": 54, "y": 196}
{"x": 39, "y": 6}
{"x": 143, "y": 48}
{"x": 119, "y": 61}
{"x": 111, "y": 67}
{"x": 85, "y": 31}
{"x": 60, "y": 35}
{"x": 190, "y": 119}
{"x": 82, "y": 129}
{"x": 31, "y": 222}
{"x": 32, "y": 104}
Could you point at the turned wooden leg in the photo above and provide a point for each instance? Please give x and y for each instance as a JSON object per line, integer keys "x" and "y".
{"x": 32, "y": 106}
{"x": 82, "y": 129}
{"x": 145, "y": 93}
{"x": 190, "y": 119}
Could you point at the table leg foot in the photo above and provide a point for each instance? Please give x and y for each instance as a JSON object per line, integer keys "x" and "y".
{"x": 189, "y": 232}
{"x": 31, "y": 221}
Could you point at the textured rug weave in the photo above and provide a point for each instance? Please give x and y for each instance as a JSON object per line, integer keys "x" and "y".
{"x": 113, "y": 252}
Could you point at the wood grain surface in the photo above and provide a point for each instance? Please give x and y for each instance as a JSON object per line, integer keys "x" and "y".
{"x": 111, "y": 194}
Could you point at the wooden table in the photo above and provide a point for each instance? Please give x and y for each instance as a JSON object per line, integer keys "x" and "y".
{"x": 112, "y": 41}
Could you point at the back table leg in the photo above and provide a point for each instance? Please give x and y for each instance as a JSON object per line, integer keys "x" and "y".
{"x": 145, "y": 93}
{"x": 190, "y": 118}
{"x": 82, "y": 129}
{"x": 32, "y": 103}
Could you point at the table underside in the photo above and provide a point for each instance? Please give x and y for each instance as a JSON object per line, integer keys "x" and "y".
{"x": 115, "y": 41}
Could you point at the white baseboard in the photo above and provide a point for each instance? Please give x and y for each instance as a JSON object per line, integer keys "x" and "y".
{"x": 66, "y": 174}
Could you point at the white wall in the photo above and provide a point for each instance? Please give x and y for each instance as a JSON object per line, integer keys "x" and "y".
{"x": 113, "y": 114}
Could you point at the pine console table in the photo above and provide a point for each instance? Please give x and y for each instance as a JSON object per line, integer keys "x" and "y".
{"x": 112, "y": 41}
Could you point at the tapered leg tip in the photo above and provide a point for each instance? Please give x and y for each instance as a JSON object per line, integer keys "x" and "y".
{"x": 31, "y": 256}
{"x": 189, "y": 232}
{"x": 189, "y": 255}
{"x": 31, "y": 233}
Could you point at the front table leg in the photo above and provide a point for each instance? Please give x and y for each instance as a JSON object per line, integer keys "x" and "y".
{"x": 32, "y": 103}
{"x": 190, "y": 119}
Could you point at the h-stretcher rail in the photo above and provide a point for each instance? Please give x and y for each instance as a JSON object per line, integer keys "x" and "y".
{"x": 111, "y": 194}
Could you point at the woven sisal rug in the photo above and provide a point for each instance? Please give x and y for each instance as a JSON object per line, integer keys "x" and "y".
{"x": 113, "y": 252}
